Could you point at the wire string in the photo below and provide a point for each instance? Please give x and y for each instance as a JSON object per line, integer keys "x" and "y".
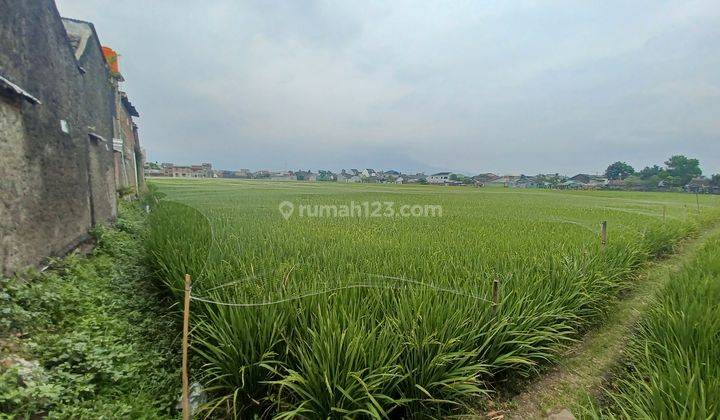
{"x": 346, "y": 287}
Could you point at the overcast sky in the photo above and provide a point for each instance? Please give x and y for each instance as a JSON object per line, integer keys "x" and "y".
{"x": 476, "y": 86}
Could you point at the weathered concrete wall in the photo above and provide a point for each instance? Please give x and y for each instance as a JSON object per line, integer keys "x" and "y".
{"x": 54, "y": 184}
{"x": 97, "y": 111}
{"x": 14, "y": 190}
{"x": 129, "y": 160}
{"x": 139, "y": 161}
{"x": 128, "y": 173}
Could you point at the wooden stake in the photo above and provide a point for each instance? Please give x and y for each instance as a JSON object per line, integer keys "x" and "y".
{"x": 603, "y": 234}
{"x": 664, "y": 213}
{"x": 496, "y": 294}
{"x": 186, "y": 332}
{"x": 697, "y": 200}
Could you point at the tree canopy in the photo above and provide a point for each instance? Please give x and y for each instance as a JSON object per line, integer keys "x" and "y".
{"x": 679, "y": 170}
{"x": 682, "y": 169}
{"x": 619, "y": 170}
{"x": 651, "y": 171}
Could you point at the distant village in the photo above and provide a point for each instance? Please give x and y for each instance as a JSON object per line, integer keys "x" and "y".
{"x": 581, "y": 181}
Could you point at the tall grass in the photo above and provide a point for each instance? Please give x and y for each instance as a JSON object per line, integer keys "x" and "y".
{"x": 400, "y": 349}
{"x": 673, "y": 366}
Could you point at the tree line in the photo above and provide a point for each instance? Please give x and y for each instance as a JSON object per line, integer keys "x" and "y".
{"x": 677, "y": 171}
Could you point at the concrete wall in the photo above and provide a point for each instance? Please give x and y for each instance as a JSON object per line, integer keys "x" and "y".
{"x": 54, "y": 186}
{"x": 97, "y": 111}
{"x": 127, "y": 159}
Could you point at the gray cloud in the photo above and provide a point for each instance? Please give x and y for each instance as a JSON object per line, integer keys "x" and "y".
{"x": 472, "y": 86}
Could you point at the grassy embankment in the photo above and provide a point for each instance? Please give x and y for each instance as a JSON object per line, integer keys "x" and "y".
{"x": 88, "y": 338}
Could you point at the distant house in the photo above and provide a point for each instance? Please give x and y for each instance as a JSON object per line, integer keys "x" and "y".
{"x": 616, "y": 184}
{"x": 225, "y": 174}
{"x": 399, "y": 180}
{"x": 243, "y": 173}
{"x": 439, "y": 178}
{"x": 414, "y": 179}
{"x": 585, "y": 181}
{"x": 392, "y": 173}
{"x": 486, "y": 177}
{"x": 571, "y": 185}
{"x": 526, "y": 182}
{"x": 194, "y": 171}
{"x": 154, "y": 172}
{"x": 368, "y": 173}
{"x": 505, "y": 180}
{"x": 581, "y": 178}
{"x": 306, "y": 176}
{"x": 343, "y": 176}
{"x": 700, "y": 185}
{"x": 549, "y": 180}
{"x": 597, "y": 181}
{"x": 283, "y": 176}
{"x": 354, "y": 179}
{"x": 207, "y": 168}
{"x": 153, "y": 169}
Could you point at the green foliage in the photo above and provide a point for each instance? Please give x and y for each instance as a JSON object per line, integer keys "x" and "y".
{"x": 682, "y": 170}
{"x": 673, "y": 366}
{"x": 679, "y": 171}
{"x": 341, "y": 367}
{"x": 715, "y": 180}
{"x": 653, "y": 171}
{"x": 462, "y": 178}
{"x": 651, "y": 183}
{"x": 552, "y": 179}
{"x": 399, "y": 349}
{"x": 619, "y": 170}
{"x": 125, "y": 191}
{"x": 24, "y": 397}
{"x": 151, "y": 197}
{"x": 95, "y": 328}
{"x": 325, "y": 176}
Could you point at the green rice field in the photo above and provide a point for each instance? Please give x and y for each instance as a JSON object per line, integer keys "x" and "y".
{"x": 389, "y": 315}
{"x": 673, "y": 358}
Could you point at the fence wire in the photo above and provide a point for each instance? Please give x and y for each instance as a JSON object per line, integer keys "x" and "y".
{"x": 416, "y": 283}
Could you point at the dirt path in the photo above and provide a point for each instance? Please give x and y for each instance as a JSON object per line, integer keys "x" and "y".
{"x": 584, "y": 366}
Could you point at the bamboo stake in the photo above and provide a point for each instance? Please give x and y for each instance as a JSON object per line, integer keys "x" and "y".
{"x": 496, "y": 295}
{"x": 603, "y": 234}
{"x": 697, "y": 200}
{"x": 186, "y": 332}
{"x": 664, "y": 213}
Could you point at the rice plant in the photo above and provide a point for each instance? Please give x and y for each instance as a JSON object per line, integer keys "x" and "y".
{"x": 673, "y": 366}
{"x": 397, "y": 316}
